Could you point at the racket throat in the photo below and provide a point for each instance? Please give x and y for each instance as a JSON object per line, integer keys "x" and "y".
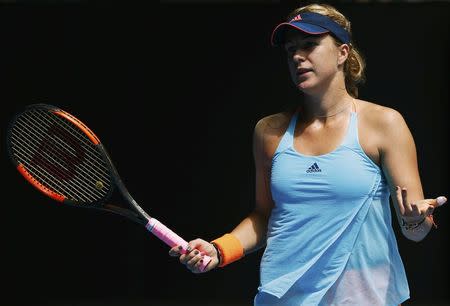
{"x": 124, "y": 191}
{"x": 140, "y": 210}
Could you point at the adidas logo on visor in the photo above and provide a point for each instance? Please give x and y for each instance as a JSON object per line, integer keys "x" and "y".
{"x": 313, "y": 168}
{"x": 296, "y": 18}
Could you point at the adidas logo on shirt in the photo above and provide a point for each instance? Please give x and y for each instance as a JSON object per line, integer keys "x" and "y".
{"x": 313, "y": 168}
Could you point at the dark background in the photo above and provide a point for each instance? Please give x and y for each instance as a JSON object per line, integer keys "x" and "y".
{"x": 174, "y": 91}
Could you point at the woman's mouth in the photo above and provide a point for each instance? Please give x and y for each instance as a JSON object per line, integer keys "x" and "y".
{"x": 303, "y": 71}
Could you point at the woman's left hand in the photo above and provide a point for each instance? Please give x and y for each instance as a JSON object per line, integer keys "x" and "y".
{"x": 415, "y": 212}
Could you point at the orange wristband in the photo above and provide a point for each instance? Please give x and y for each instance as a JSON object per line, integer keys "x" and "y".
{"x": 230, "y": 249}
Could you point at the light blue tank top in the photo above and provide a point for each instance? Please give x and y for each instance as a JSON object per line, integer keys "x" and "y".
{"x": 330, "y": 239}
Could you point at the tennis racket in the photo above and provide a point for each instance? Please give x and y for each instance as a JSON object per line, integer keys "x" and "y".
{"x": 60, "y": 156}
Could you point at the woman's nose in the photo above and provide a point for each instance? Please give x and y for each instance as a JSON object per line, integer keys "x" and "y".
{"x": 298, "y": 56}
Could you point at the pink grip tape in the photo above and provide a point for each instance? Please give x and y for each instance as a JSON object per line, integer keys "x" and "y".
{"x": 171, "y": 239}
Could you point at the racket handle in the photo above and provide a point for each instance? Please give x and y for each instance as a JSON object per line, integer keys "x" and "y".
{"x": 171, "y": 239}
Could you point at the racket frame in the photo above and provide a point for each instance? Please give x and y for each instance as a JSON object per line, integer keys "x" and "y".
{"x": 137, "y": 214}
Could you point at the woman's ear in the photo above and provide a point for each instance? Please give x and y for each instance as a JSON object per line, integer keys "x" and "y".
{"x": 343, "y": 52}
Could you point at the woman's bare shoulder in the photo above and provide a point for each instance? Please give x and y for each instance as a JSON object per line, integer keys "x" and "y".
{"x": 378, "y": 115}
{"x": 269, "y": 130}
{"x": 274, "y": 124}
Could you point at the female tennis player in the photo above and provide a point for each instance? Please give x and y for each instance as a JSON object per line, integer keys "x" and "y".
{"x": 324, "y": 175}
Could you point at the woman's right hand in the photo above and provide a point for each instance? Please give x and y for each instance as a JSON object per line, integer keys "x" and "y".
{"x": 193, "y": 258}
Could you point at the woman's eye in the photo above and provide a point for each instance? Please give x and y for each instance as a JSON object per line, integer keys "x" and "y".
{"x": 291, "y": 49}
{"x": 309, "y": 45}
{"x": 303, "y": 46}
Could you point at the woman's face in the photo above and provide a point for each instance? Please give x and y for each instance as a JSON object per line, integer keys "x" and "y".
{"x": 314, "y": 60}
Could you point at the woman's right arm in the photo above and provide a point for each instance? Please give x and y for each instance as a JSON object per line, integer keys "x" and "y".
{"x": 251, "y": 231}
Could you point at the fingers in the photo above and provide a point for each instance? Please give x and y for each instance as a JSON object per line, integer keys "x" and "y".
{"x": 441, "y": 201}
{"x": 185, "y": 259}
{"x": 415, "y": 210}
{"x": 422, "y": 208}
{"x": 176, "y": 251}
{"x": 179, "y": 251}
{"x": 198, "y": 266}
{"x": 406, "y": 204}
{"x": 429, "y": 211}
{"x": 410, "y": 210}
{"x": 198, "y": 244}
{"x": 400, "y": 200}
{"x": 192, "y": 258}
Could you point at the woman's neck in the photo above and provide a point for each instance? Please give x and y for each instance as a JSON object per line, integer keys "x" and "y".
{"x": 326, "y": 105}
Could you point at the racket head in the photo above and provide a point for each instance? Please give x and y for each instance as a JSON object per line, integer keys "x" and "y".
{"x": 60, "y": 156}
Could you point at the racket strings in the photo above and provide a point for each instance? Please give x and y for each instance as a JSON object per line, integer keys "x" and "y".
{"x": 53, "y": 149}
{"x": 95, "y": 163}
{"x": 60, "y": 156}
{"x": 92, "y": 159}
{"x": 49, "y": 153}
{"x": 45, "y": 177}
{"x": 48, "y": 180}
{"x": 51, "y": 167}
{"x": 51, "y": 173}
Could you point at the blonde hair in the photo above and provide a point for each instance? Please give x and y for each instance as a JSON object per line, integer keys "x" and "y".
{"x": 355, "y": 64}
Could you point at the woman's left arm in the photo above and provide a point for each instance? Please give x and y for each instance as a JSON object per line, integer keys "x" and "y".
{"x": 399, "y": 164}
